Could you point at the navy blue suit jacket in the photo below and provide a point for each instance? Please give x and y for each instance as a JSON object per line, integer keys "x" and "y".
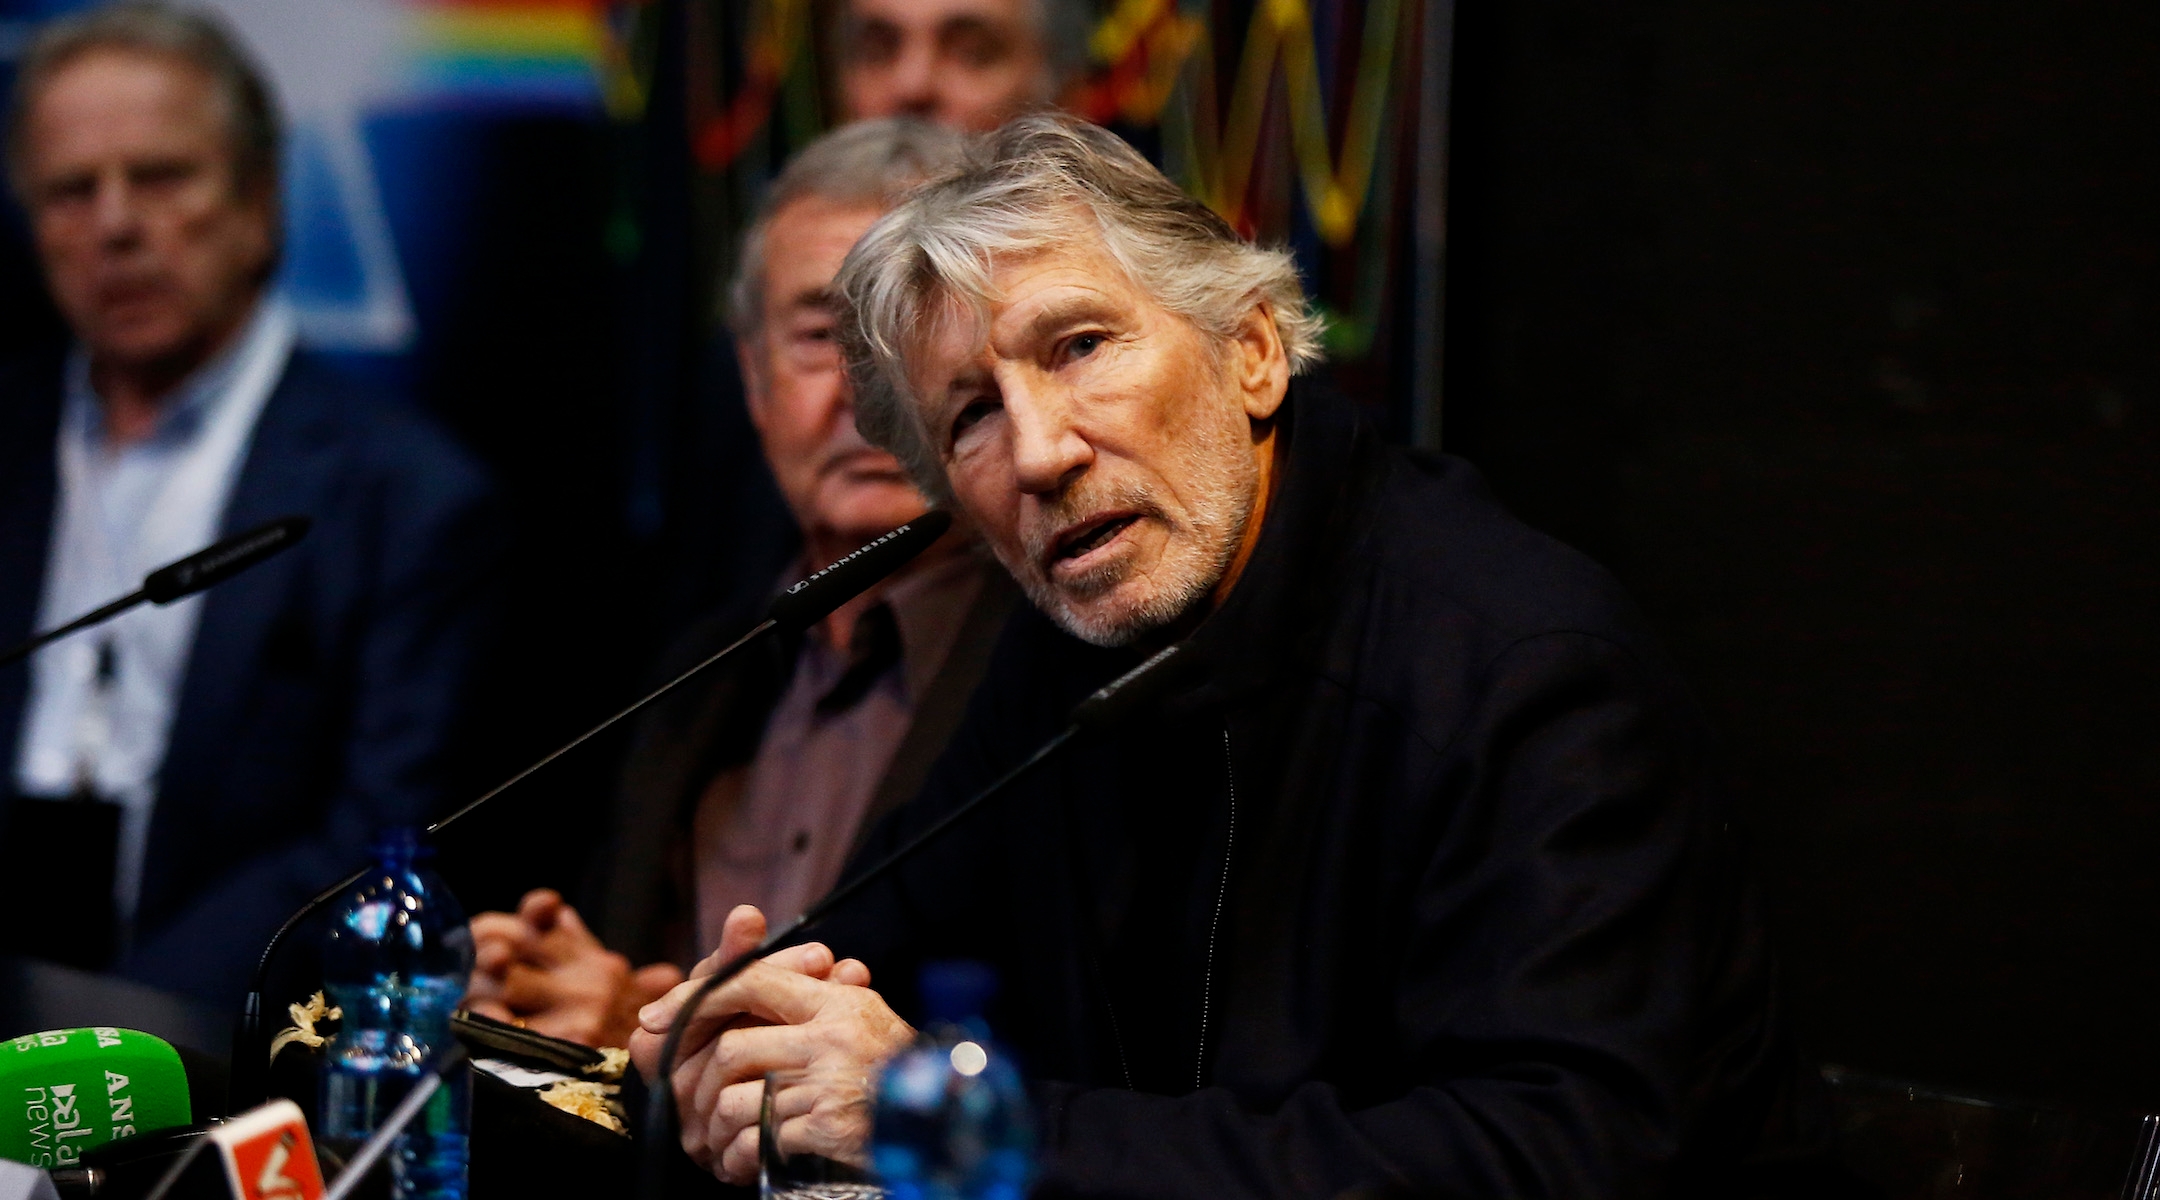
{"x": 324, "y": 689}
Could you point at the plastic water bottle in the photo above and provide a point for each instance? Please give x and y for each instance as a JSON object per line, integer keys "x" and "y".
{"x": 396, "y": 961}
{"x": 953, "y": 1118}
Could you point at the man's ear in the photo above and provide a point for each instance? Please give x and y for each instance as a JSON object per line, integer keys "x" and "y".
{"x": 259, "y": 198}
{"x": 750, "y": 357}
{"x": 1257, "y": 359}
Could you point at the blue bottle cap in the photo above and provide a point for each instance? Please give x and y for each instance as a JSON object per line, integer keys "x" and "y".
{"x": 957, "y": 990}
{"x": 396, "y": 846}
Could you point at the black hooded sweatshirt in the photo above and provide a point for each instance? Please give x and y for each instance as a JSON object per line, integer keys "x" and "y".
{"x": 1426, "y": 888}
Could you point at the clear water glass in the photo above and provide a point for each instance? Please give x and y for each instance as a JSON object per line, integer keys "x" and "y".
{"x": 814, "y": 1136}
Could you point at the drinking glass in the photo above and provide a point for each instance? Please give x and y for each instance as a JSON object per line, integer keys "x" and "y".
{"x": 814, "y": 1136}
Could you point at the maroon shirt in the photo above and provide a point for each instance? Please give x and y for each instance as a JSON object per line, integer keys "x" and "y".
{"x": 775, "y": 832}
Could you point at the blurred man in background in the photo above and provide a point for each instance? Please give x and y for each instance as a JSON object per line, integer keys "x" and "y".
{"x": 752, "y": 785}
{"x": 968, "y": 64}
{"x": 184, "y": 776}
{"x": 962, "y": 64}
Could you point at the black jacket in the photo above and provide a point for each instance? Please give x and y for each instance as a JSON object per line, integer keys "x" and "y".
{"x": 1428, "y": 887}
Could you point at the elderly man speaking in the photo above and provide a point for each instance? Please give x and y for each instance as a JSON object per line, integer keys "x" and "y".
{"x": 1426, "y": 888}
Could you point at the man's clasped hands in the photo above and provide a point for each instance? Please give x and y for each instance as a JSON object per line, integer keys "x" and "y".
{"x": 797, "y": 1008}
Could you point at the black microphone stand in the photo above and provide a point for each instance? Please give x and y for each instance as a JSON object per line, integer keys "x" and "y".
{"x": 1104, "y": 707}
{"x": 175, "y": 580}
{"x": 800, "y": 606}
{"x": 251, "y": 1047}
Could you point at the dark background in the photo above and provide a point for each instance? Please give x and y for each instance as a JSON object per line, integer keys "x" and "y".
{"x": 1830, "y": 327}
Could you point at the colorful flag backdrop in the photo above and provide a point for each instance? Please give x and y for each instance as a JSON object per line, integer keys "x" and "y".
{"x": 340, "y": 68}
{"x": 1316, "y": 123}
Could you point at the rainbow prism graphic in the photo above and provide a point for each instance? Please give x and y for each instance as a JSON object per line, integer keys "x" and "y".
{"x": 337, "y": 62}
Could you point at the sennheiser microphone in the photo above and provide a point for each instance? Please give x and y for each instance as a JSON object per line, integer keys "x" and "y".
{"x": 207, "y": 568}
{"x": 1107, "y": 705}
{"x": 795, "y": 609}
{"x": 808, "y": 601}
{"x": 175, "y": 580}
{"x": 70, "y": 1091}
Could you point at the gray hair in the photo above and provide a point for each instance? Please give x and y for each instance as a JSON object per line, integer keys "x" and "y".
{"x": 870, "y": 162}
{"x": 1040, "y": 182}
{"x": 196, "y": 39}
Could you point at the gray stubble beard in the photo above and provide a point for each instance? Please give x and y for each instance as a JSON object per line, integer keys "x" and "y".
{"x": 1227, "y": 485}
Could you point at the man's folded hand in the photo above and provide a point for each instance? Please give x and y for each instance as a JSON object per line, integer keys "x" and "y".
{"x": 797, "y": 1007}
{"x": 540, "y": 967}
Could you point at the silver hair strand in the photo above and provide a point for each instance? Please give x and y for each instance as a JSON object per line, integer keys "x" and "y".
{"x": 1043, "y": 181}
{"x": 869, "y": 162}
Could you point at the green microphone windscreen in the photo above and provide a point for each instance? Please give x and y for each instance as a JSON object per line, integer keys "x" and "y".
{"x": 67, "y": 1090}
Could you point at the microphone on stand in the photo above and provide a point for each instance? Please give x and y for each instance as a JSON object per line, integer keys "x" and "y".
{"x": 802, "y": 605}
{"x": 266, "y": 1154}
{"x": 173, "y": 581}
{"x": 1106, "y": 706}
{"x": 104, "y": 1112}
{"x": 70, "y": 1091}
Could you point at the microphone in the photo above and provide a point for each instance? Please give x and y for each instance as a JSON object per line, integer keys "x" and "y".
{"x": 800, "y": 606}
{"x": 69, "y": 1091}
{"x": 808, "y": 601}
{"x": 207, "y": 568}
{"x": 175, "y": 580}
{"x": 263, "y": 1154}
{"x": 1106, "y": 706}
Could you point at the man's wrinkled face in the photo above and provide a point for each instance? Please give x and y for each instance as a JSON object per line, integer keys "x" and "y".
{"x": 967, "y": 64}
{"x": 153, "y": 251}
{"x": 841, "y": 489}
{"x": 1105, "y": 446}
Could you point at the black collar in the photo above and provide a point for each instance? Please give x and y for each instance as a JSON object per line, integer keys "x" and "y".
{"x": 1270, "y": 622}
